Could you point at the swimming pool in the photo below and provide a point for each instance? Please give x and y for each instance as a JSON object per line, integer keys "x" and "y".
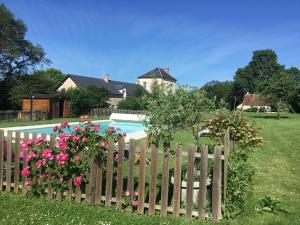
{"x": 126, "y": 127}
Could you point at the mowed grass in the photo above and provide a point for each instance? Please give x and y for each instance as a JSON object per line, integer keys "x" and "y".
{"x": 277, "y": 174}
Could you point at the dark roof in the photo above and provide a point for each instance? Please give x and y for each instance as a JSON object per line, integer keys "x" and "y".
{"x": 158, "y": 73}
{"x": 254, "y": 100}
{"x": 112, "y": 86}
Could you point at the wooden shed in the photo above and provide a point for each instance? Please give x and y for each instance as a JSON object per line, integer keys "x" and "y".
{"x": 54, "y": 105}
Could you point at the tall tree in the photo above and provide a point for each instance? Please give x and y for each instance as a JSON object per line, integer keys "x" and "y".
{"x": 219, "y": 91}
{"x": 253, "y": 77}
{"x": 18, "y": 56}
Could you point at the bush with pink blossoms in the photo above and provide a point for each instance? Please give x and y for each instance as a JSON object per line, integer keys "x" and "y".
{"x": 66, "y": 161}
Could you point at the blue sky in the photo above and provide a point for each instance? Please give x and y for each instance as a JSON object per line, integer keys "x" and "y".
{"x": 199, "y": 41}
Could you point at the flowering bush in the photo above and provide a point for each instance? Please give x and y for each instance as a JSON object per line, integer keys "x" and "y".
{"x": 127, "y": 201}
{"x": 241, "y": 131}
{"x": 66, "y": 160}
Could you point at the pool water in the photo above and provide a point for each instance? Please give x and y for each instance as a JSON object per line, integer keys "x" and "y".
{"x": 126, "y": 127}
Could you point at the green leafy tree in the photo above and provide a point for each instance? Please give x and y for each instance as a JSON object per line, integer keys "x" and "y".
{"x": 18, "y": 56}
{"x": 294, "y": 95}
{"x": 219, "y": 91}
{"x": 39, "y": 82}
{"x": 84, "y": 99}
{"x": 169, "y": 113}
{"x": 255, "y": 76}
{"x": 277, "y": 90}
{"x": 132, "y": 103}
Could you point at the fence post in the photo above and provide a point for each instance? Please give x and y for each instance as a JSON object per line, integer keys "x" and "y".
{"x": 202, "y": 184}
{"x": 25, "y": 163}
{"x": 216, "y": 187}
{"x": 152, "y": 193}
{"x": 1, "y": 158}
{"x": 141, "y": 199}
{"x": 165, "y": 182}
{"x": 109, "y": 172}
{"x": 190, "y": 182}
{"x": 177, "y": 181}
{"x": 121, "y": 146}
{"x": 8, "y": 160}
{"x": 130, "y": 181}
{"x": 17, "y": 162}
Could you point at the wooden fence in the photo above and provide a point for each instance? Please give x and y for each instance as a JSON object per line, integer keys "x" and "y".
{"x": 13, "y": 115}
{"x": 156, "y": 174}
{"x": 108, "y": 111}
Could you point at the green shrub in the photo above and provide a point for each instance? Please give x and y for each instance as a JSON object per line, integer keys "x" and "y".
{"x": 132, "y": 103}
{"x": 252, "y": 109}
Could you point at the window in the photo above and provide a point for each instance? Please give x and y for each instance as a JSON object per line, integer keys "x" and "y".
{"x": 145, "y": 84}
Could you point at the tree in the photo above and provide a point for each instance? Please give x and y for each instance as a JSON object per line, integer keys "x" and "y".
{"x": 277, "y": 89}
{"x": 294, "y": 95}
{"x": 18, "y": 56}
{"x": 84, "y": 99}
{"x": 253, "y": 77}
{"x": 40, "y": 82}
{"x": 219, "y": 91}
{"x": 169, "y": 113}
{"x": 132, "y": 103}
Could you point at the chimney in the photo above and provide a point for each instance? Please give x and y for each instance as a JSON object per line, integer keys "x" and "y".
{"x": 166, "y": 70}
{"x": 106, "y": 77}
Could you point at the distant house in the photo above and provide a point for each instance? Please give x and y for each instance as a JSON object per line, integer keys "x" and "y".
{"x": 159, "y": 75}
{"x": 254, "y": 101}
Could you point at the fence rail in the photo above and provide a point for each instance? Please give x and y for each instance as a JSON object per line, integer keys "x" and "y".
{"x": 14, "y": 115}
{"x": 108, "y": 111}
{"x": 163, "y": 184}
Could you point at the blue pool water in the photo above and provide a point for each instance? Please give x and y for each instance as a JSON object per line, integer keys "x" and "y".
{"x": 126, "y": 127}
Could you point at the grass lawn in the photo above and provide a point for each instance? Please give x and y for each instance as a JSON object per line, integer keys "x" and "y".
{"x": 39, "y": 122}
{"x": 277, "y": 174}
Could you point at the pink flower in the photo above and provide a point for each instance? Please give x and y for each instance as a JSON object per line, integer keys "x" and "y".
{"x": 96, "y": 128}
{"x": 25, "y": 171}
{"x": 64, "y": 124}
{"x": 77, "y": 181}
{"x": 25, "y": 145}
{"x": 75, "y": 128}
{"x": 83, "y": 118}
{"x": 76, "y": 157}
{"x": 111, "y": 129}
{"x": 89, "y": 122}
{"x": 62, "y": 145}
{"x": 31, "y": 155}
{"x": 56, "y": 128}
{"x": 40, "y": 139}
{"x": 102, "y": 144}
{"x": 124, "y": 135}
{"x": 47, "y": 153}
{"x": 118, "y": 129}
{"x": 75, "y": 138}
{"x": 40, "y": 163}
{"x": 127, "y": 193}
{"x": 135, "y": 203}
{"x": 27, "y": 182}
{"x": 83, "y": 129}
{"x": 84, "y": 139}
{"x": 136, "y": 193}
{"x": 62, "y": 157}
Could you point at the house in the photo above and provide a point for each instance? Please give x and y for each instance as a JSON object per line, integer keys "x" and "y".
{"x": 118, "y": 90}
{"x": 159, "y": 75}
{"x": 254, "y": 101}
{"x": 58, "y": 106}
